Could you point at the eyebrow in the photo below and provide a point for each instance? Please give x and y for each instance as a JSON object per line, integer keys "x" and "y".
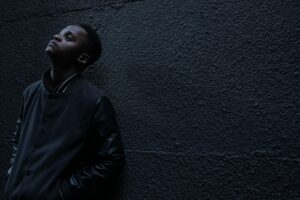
{"x": 71, "y": 33}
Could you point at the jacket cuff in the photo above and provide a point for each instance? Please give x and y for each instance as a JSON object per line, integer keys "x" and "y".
{"x": 65, "y": 191}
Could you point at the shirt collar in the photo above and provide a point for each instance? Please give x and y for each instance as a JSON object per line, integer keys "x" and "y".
{"x": 62, "y": 87}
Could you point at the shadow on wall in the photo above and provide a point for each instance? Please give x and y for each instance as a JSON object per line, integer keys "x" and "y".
{"x": 114, "y": 190}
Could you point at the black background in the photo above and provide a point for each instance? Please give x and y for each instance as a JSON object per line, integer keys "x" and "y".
{"x": 206, "y": 92}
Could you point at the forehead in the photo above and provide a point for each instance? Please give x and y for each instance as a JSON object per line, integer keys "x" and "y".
{"x": 77, "y": 31}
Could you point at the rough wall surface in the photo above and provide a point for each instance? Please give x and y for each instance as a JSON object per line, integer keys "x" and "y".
{"x": 207, "y": 92}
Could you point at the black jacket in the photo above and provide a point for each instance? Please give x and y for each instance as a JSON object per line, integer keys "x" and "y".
{"x": 66, "y": 145}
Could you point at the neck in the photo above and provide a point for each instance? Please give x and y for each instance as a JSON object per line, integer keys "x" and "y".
{"x": 59, "y": 74}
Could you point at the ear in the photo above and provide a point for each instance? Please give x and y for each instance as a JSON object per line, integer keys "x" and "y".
{"x": 83, "y": 58}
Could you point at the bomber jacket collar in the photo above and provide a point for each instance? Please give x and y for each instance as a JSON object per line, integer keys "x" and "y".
{"x": 62, "y": 87}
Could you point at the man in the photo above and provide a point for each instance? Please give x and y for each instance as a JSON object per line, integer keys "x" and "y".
{"x": 66, "y": 145}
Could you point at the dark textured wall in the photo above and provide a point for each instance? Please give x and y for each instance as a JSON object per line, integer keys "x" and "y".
{"x": 207, "y": 92}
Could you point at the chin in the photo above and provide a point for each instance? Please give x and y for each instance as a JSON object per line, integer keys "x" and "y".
{"x": 49, "y": 50}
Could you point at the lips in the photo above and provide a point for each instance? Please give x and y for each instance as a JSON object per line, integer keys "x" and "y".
{"x": 52, "y": 43}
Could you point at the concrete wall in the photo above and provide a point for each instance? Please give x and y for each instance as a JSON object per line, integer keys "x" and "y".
{"x": 207, "y": 92}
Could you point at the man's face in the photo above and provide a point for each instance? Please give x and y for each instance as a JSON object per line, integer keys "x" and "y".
{"x": 68, "y": 44}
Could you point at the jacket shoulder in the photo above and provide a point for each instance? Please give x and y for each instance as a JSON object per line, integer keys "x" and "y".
{"x": 91, "y": 91}
{"x": 99, "y": 101}
{"x": 31, "y": 88}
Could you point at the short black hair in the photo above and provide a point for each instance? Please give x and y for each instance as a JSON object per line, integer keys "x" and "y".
{"x": 94, "y": 43}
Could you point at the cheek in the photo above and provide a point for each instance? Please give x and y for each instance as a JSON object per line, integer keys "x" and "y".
{"x": 71, "y": 51}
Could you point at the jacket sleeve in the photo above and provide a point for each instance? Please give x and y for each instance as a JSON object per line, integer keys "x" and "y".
{"x": 108, "y": 159}
{"x": 15, "y": 137}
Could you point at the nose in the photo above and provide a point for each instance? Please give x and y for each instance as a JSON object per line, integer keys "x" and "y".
{"x": 55, "y": 36}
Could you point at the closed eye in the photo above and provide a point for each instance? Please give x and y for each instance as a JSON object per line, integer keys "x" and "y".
{"x": 69, "y": 35}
